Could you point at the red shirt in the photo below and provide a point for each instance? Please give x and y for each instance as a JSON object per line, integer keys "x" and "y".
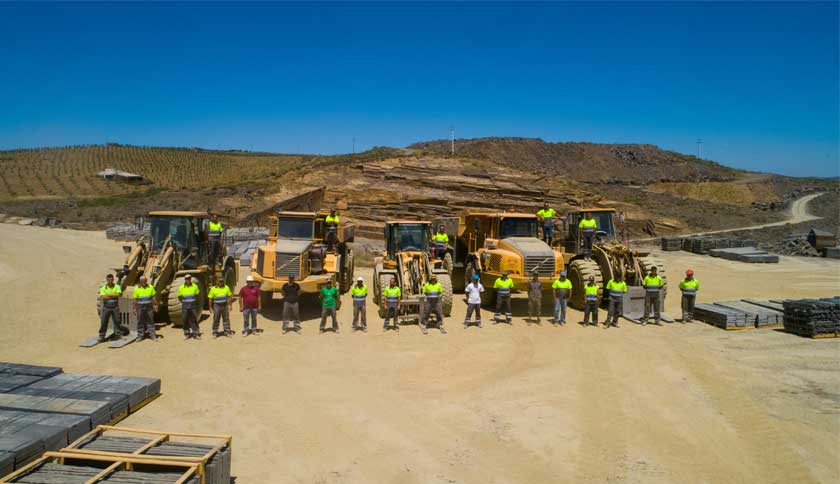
{"x": 250, "y": 297}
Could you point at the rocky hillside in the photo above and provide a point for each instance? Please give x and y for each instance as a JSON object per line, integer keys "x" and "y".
{"x": 633, "y": 164}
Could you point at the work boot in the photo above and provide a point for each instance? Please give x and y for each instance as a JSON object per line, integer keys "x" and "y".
{"x": 424, "y": 329}
{"x": 246, "y": 332}
{"x": 478, "y": 324}
{"x": 364, "y": 329}
{"x": 442, "y": 329}
{"x": 297, "y": 328}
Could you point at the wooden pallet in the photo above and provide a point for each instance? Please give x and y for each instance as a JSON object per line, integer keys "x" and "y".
{"x": 187, "y": 472}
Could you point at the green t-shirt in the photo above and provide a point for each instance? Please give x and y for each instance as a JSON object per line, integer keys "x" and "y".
{"x": 328, "y": 297}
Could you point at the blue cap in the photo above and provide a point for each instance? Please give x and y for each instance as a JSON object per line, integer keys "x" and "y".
{"x": 475, "y": 277}
{"x": 563, "y": 273}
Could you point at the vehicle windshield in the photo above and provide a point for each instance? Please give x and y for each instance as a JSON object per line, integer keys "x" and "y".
{"x": 410, "y": 237}
{"x": 178, "y": 228}
{"x": 294, "y": 228}
{"x": 518, "y": 227}
{"x": 605, "y": 223}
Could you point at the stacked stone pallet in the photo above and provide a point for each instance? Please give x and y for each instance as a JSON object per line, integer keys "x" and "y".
{"x": 44, "y": 411}
{"x": 745, "y": 254}
{"x": 216, "y": 469}
{"x": 813, "y": 318}
{"x": 672, "y": 243}
{"x": 126, "y": 232}
{"x": 722, "y": 317}
{"x": 832, "y": 252}
{"x": 242, "y": 242}
{"x": 762, "y": 316}
{"x": 78, "y": 471}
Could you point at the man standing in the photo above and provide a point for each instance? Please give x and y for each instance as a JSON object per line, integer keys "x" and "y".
{"x": 188, "y": 295}
{"x": 359, "y": 292}
{"x": 432, "y": 290}
{"x": 616, "y": 288}
{"x": 214, "y": 237}
{"x": 534, "y": 296}
{"x": 586, "y": 230}
{"x": 109, "y": 296}
{"x": 392, "y": 295}
{"x": 332, "y": 229}
{"x": 591, "y": 307}
{"x": 291, "y": 310}
{"x": 249, "y": 305}
{"x": 562, "y": 288}
{"x": 330, "y": 301}
{"x": 653, "y": 288}
{"x": 503, "y": 287}
{"x": 440, "y": 240}
{"x": 689, "y": 287}
{"x": 220, "y": 296}
{"x": 473, "y": 291}
{"x": 145, "y": 306}
{"x": 546, "y": 215}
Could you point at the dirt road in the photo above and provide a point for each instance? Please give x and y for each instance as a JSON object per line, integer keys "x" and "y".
{"x": 678, "y": 403}
{"x": 798, "y": 214}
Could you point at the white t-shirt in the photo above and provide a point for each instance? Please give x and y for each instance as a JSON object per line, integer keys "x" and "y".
{"x": 474, "y": 293}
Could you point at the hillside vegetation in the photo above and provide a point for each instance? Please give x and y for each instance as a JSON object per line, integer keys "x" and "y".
{"x": 589, "y": 162}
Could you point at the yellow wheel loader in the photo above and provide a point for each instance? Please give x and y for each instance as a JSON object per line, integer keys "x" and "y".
{"x": 303, "y": 245}
{"x": 407, "y": 258}
{"x": 609, "y": 257}
{"x": 178, "y": 245}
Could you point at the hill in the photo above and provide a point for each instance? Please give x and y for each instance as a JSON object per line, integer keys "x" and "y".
{"x": 636, "y": 164}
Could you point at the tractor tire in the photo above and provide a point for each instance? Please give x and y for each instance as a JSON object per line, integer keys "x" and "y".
{"x": 446, "y": 295}
{"x": 229, "y": 277}
{"x": 488, "y": 297}
{"x": 447, "y": 264}
{"x": 173, "y": 304}
{"x": 645, "y": 263}
{"x": 266, "y": 300}
{"x": 346, "y": 271}
{"x": 383, "y": 281}
{"x": 579, "y": 272}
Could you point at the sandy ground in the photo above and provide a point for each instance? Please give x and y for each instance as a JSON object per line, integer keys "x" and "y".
{"x": 678, "y": 403}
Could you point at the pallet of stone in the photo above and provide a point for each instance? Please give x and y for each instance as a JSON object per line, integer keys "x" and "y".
{"x": 813, "y": 318}
{"x": 745, "y": 254}
{"x": 118, "y": 401}
{"x": 26, "y": 435}
{"x": 33, "y": 370}
{"x": 722, "y": 317}
{"x": 76, "y": 425}
{"x": 7, "y": 462}
{"x": 73, "y": 468}
{"x": 138, "y": 390}
{"x": 672, "y": 243}
{"x": 97, "y": 412}
{"x": 10, "y": 381}
{"x": 702, "y": 245}
{"x": 832, "y": 252}
{"x": 212, "y": 453}
{"x": 762, "y": 316}
{"x": 776, "y": 306}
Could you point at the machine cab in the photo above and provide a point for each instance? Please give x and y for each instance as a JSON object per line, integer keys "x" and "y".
{"x": 410, "y": 236}
{"x": 604, "y": 218}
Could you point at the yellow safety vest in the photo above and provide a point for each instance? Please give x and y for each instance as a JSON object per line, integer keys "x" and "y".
{"x": 588, "y": 226}
{"x": 617, "y": 289}
{"x": 591, "y": 292}
{"x": 359, "y": 293}
{"x": 440, "y": 237}
{"x": 546, "y": 213}
{"x": 689, "y": 288}
{"x": 332, "y": 220}
{"x": 144, "y": 295}
{"x": 558, "y": 284}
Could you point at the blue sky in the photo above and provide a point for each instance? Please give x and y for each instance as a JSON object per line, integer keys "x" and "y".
{"x": 758, "y": 82}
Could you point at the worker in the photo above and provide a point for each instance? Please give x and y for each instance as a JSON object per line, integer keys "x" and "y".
{"x": 433, "y": 290}
{"x": 653, "y": 288}
{"x": 332, "y": 229}
{"x": 249, "y": 305}
{"x": 291, "y": 309}
{"x": 188, "y": 295}
{"x": 591, "y": 305}
{"x": 330, "y": 302}
{"x": 534, "y": 296}
{"x": 503, "y": 286}
{"x": 359, "y": 291}
{"x": 145, "y": 306}
{"x": 546, "y": 215}
{"x": 473, "y": 291}
{"x": 586, "y": 230}
{"x": 562, "y": 288}
{"x": 214, "y": 237}
{"x": 440, "y": 240}
{"x": 220, "y": 297}
{"x": 689, "y": 287}
{"x": 616, "y": 289}
{"x": 392, "y": 294}
{"x": 109, "y": 296}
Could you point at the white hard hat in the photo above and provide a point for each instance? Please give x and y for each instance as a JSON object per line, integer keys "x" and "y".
{"x": 249, "y": 279}
{"x": 359, "y": 278}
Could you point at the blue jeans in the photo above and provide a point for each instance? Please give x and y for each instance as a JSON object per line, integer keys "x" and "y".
{"x": 548, "y": 232}
{"x": 560, "y": 310}
{"x": 252, "y": 313}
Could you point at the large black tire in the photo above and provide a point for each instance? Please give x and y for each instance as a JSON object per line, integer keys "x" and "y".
{"x": 446, "y": 295}
{"x": 379, "y": 293}
{"x": 345, "y": 275}
{"x": 645, "y": 263}
{"x": 447, "y": 264}
{"x": 173, "y": 304}
{"x": 579, "y": 272}
{"x": 266, "y": 300}
{"x": 230, "y": 278}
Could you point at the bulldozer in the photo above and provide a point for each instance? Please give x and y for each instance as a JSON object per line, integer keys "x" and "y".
{"x": 299, "y": 245}
{"x": 178, "y": 245}
{"x": 489, "y": 244}
{"x": 609, "y": 257}
{"x": 407, "y": 258}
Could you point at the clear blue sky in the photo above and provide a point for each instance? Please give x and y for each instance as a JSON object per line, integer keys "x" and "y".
{"x": 758, "y": 82}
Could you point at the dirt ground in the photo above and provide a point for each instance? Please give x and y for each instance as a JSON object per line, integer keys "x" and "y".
{"x": 527, "y": 403}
